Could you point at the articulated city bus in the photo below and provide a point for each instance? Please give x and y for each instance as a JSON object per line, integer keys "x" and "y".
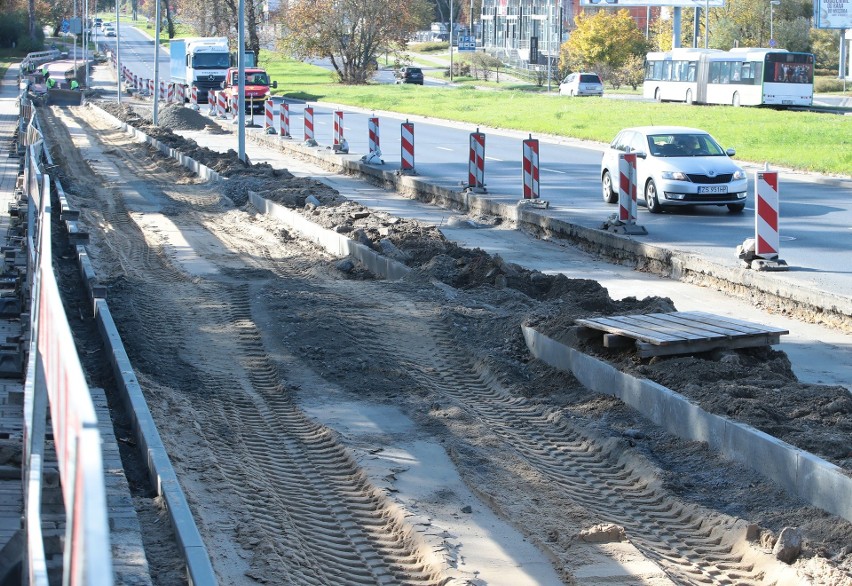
{"x": 739, "y": 77}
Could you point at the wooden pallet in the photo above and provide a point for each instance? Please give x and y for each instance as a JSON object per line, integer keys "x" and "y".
{"x": 679, "y": 332}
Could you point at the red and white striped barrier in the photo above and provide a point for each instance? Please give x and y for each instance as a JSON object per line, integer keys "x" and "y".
{"x": 170, "y": 93}
{"x": 193, "y": 97}
{"x": 476, "y": 163}
{"x": 373, "y": 137}
{"x": 211, "y": 102}
{"x": 309, "y": 124}
{"x": 137, "y": 85}
{"x": 766, "y": 235}
{"x": 268, "y": 119}
{"x": 530, "y": 168}
{"x": 627, "y": 205}
{"x": 221, "y": 104}
{"x": 162, "y": 93}
{"x": 151, "y": 87}
{"x": 234, "y": 106}
{"x": 407, "y": 146}
{"x": 337, "y": 137}
{"x": 284, "y": 120}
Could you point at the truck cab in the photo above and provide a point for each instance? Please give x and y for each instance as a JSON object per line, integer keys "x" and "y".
{"x": 257, "y": 87}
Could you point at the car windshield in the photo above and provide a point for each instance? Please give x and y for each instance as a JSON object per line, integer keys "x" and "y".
{"x": 210, "y": 60}
{"x": 683, "y": 145}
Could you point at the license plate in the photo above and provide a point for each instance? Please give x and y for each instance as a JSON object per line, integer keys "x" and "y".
{"x": 712, "y": 189}
{"x": 787, "y": 102}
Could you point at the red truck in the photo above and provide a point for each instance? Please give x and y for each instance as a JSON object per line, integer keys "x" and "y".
{"x": 257, "y": 88}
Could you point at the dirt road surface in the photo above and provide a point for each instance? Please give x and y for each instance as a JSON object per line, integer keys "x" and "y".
{"x": 332, "y": 428}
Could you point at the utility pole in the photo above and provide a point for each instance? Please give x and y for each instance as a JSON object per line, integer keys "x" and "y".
{"x": 156, "y": 95}
{"x": 117, "y": 56}
{"x": 241, "y": 83}
{"x": 451, "y": 40}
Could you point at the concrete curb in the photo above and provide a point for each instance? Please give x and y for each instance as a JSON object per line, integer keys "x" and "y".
{"x": 160, "y": 470}
{"x": 202, "y": 171}
{"x": 813, "y": 479}
{"x": 674, "y": 264}
{"x": 332, "y": 242}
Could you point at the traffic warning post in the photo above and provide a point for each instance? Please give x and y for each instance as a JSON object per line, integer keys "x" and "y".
{"x": 476, "y": 163}
{"x": 530, "y": 168}
{"x": 268, "y": 119}
{"x": 284, "y": 120}
{"x": 761, "y": 252}
{"x": 374, "y": 152}
{"x": 309, "y": 126}
{"x": 625, "y": 221}
{"x": 339, "y": 143}
{"x": 407, "y": 148}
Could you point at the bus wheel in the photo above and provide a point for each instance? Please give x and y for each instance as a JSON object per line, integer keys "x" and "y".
{"x": 689, "y": 96}
{"x": 735, "y": 102}
{"x": 657, "y": 96}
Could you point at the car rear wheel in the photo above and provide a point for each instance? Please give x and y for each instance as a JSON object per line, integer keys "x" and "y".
{"x": 736, "y": 208}
{"x": 609, "y": 194}
{"x": 651, "y": 199}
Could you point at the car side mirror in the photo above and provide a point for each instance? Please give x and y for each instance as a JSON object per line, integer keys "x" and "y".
{"x": 640, "y": 154}
{"x": 730, "y": 152}
{"x": 274, "y": 85}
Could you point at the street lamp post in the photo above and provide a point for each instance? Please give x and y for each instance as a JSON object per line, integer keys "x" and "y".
{"x": 772, "y": 5}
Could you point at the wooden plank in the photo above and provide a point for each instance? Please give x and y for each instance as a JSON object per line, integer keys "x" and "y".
{"x": 700, "y": 329}
{"x": 648, "y": 350}
{"x": 674, "y": 327}
{"x": 614, "y": 326}
{"x": 732, "y": 322}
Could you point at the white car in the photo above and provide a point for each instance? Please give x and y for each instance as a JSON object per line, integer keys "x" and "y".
{"x": 675, "y": 166}
{"x": 581, "y": 84}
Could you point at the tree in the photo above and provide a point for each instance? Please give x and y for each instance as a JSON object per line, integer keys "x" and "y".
{"x": 604, "y": 41}
{"x": 350, "y": 33}
{"x": 824, "y": 43}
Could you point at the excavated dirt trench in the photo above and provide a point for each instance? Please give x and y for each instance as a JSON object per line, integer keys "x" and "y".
{"x": 232, "y": 324}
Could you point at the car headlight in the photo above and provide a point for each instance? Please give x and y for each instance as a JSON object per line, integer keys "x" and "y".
{"x": 739, "y": 174}
{"x": 676, "y": 175}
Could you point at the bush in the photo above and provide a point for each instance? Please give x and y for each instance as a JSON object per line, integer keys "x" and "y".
{"x": 827, "y": 84}
{"x": 431, "y": 47}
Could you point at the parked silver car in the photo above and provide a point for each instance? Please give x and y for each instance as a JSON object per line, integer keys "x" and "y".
{"x": 676, "y": 166}
{"x": 581, "y": 84}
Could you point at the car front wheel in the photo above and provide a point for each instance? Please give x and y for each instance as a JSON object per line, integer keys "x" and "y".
{"x": 651, "y": 199}
{"x": 609, "y": 194}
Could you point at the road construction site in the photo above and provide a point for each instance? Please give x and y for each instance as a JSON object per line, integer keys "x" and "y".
{"x": 328, "y": 425}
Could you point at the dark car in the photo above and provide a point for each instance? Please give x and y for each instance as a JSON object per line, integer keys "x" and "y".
{"x": 410, "y": 75}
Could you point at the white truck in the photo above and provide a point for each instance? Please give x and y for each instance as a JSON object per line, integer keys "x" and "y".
{"x": 200, "y": 62}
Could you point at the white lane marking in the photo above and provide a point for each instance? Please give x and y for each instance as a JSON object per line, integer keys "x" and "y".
{"x": 487, "y": 158}
{"x": 444, "y": 148}
{"x": 554, "y": 171}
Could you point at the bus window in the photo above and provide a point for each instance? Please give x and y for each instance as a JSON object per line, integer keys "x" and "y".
{"x": 715, "y": 72}
{"x": 690, "y": 75}
{"x": 725, "y": 72}
{"x": 667, "y": 71}
{"x": 736, "y": 72}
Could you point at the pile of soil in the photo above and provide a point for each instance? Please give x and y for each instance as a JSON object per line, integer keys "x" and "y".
{"x": 755, "y": 386}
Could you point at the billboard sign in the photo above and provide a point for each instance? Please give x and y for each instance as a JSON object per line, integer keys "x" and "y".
{"x": 644, "y": 3}
{"x": 833, "y": 13}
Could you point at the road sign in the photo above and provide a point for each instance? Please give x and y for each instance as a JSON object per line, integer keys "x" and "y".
{"x": 467, "y": 43}
{"x": 772, "y": 42}
{"x": 65, "y": 26}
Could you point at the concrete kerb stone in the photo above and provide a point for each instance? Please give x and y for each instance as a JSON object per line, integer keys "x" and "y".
{"x": 334, "y": 243}
{"x": 202, "y": 171}
{"x": 805, "y": 475}
{"x": 675, "y": 264}
{"x": 150, "y": 444}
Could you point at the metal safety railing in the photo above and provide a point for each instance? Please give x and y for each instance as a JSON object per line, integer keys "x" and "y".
{"x": 55, "y": 380}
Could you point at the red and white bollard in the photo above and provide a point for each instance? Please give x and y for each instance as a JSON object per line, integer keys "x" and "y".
{"x": 374, "y": 152}
{"x": 151, "y": 87}
{"x": 170, "y": 93}
{"x": 627, "y": 206}
{"x": 284, "y": 121}
{"x": 761, "y": 253}
{"x": 221, "y": 104}
{"x": 530, "y": 168}
{"x": 337, "y": 122}
{"x": 407, "y": 147}
{"x": 211, "y": 102}
{"x": 625, "y": 221}
{"x": 193, "y": 97}
{"x": 476, "y": 163}
{"x": 234, "y": 106}
{"x": 309, "y": 126}
{"x": 268, "y": 119}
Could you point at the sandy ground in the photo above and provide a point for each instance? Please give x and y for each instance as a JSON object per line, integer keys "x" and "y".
{"x": 332, "y": 428}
